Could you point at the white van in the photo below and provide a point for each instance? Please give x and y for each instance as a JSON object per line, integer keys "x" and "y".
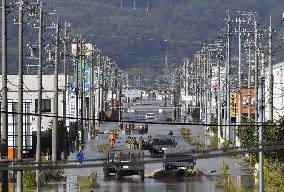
{"x": 150, "y": 116}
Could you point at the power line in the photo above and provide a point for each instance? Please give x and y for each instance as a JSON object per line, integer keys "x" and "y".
{"x": 151, "y": 161}
{"x": 126, "y": 121}
{"x": 206, "y": 151}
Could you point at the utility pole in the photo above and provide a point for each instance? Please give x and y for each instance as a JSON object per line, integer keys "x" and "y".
{"x": 39, "y": 104}
{"x": 227, "y": 69}
{"x": 147, "y": 8}
{"x": 209, "y": 75}
{"x": 65, "y": 68}
{"x": 99, "y": 109}
{"x": 20, "y": 97}
{"x": 82, "y": 84}
{"x": 120, "y": 92}
{"x": 55, "y": 100}
{"x": 270, "y": 75}
{"x": 249, "y": 81}
{"x": 4, "y": 106}
{"x": 219, "y": 114}
{"x": 199, "y": 83}
{"x": 239, "y": 120}
{"x": 204, "y": 86}
{"x": 256, "y": 47}
{"x": 261, "y": 122}
{"x": 77, "y": 92}
{"x": 103, "y": 88}
{"x": 91, "y": 94}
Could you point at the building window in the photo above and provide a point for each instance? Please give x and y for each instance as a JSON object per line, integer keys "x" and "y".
{"x": 45, "y": 107}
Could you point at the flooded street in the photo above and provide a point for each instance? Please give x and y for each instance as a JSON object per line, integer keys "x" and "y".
{"x": 206, "y": 182}
{"x": 210, "y": 168}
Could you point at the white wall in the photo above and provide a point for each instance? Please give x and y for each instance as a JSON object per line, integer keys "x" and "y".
{"x": 278, "y": 91}
{"x": 30, "y": 93}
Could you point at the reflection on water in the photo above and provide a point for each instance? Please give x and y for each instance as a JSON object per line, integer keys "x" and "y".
{"x": 130, "y": 184}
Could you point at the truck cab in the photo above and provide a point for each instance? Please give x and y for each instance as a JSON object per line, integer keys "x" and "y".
{"x": 179, "y": 160}
{"x": 156, "y": 144}
{"x": 124, "y": 163}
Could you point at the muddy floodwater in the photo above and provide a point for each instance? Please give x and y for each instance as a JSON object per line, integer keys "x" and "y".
{"x": 210, "y": 168}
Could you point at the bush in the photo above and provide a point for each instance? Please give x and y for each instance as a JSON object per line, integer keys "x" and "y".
{"x": 214, "y": 142}
{"x": 186, "y": 135}
{"x": 54, "y": 175}
{"x": 192, "y": 173}
{"x": 88, "y": 182}
{"x": 29, "y": 179}
{"x": 273, "y": 180}
{"x": 104, "y": 148}
{"x": 225, "y": 182}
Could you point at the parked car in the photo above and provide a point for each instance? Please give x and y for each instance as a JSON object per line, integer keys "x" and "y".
{"x": 150, "y": 116}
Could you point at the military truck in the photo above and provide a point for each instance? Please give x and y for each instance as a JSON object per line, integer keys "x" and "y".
{"x": 124, "y": 163}
{"x": 179, "y": 160}
{"x": 156, "y": 144}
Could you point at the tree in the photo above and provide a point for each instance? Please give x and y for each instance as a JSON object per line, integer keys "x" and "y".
{"x": 62, "y": 136}
{"x": 247, "y": 134}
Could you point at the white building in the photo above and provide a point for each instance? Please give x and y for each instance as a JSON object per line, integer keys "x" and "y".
{"x": 215, "y": 84}
{"x": 278, "y": 91}
{"x": 30, "y": 96}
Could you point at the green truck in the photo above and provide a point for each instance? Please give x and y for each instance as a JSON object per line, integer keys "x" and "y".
{"x": 124, "y": 162}
{"x": 179, "y": 160}
{"x": 156, "y": 144}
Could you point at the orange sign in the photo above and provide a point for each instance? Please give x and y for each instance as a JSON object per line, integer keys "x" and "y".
{"x": 245, "y": 101}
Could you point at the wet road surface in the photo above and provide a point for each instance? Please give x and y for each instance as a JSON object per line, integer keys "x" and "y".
{"x": 210, "y": 167}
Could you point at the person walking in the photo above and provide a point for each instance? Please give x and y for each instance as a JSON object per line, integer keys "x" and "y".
{"x": 120, "y": 125}
{"x": 112, "y": 139}
{"x": 80, "y": 157}
{"x": 146, "y": 128}
{"x": 141, "y": 143}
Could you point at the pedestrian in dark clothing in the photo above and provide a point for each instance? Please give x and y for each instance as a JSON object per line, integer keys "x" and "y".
{"x": 135, "y": 143}
{"x": 146, "y": 128}
{"x": 80, "y": 157}
{"x": 141, "y": 143}
{"x": 121, "y": 126}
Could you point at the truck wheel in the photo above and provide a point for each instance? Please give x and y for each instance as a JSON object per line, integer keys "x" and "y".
{"x": 181, "y": 172}
{"x": 106, "y": 172}
{"x": 168, "y": 168}
{"x": 141, "y": 174}
{"x": 117, "y": 174}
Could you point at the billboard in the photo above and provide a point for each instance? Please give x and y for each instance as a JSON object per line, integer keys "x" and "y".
{"x": 233, "y": 97}
{"x": 87, "y": 49}
{"x": 83, "y": 65}
{"x": 73, "y": 109}
{"x": 133, "y": 93}
{"x": 245, "y": 101}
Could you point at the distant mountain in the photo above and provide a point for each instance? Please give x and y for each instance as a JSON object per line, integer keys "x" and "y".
{"x": 140, "y": 33}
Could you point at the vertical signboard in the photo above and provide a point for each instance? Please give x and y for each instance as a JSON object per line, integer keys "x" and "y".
{"x": 233, "y": 104}
{"x": 73, "y": 107}
{"x": 245, "y": 101}
{"x": 85, "y": 65}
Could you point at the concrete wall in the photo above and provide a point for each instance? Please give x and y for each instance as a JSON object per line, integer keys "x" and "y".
{"x": 278, "y": 91}
{"x": 30, "y": 94}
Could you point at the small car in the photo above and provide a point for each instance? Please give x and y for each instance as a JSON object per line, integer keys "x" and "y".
{"x": 150, "y": 116}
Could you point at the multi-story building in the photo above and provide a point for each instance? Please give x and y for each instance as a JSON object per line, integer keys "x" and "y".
{"x": 278, "y": 91}
{"x": 30, "y": 97}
